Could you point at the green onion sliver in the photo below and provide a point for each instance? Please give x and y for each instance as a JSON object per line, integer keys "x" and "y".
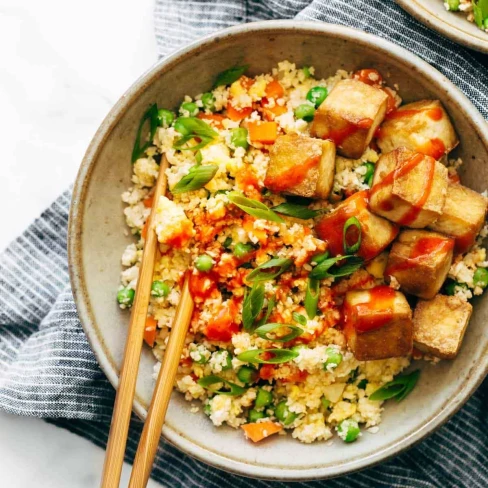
{"x": 299, "y": 318}
{"x": 191, "y": 128}
{"x": 197, "y": 178}
{"x": 253, "y": 207}
{"x": 312, "y": 298}
{"x": 398, "y": 389}
{"x": 329, "y": 268}
{"x": 296, "y": 211}
{"x": 208, "y": 381}
{"x": 269, "y": 270}
{"x": 278, "y": 356}
{"x": 230, "y": 75}
{"x": 351, "y": 222}
{"x": 152, "y": 116}
{"x": 252, "y": 305}
{"x": 269, "y": 309}
{"x": 263, "y": 331}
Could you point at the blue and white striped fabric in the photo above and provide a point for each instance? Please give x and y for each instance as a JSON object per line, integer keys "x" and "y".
{"x": 46, "y": 366}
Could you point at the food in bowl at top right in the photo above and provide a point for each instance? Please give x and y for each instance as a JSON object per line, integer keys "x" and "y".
{"x": 475, "y": 11}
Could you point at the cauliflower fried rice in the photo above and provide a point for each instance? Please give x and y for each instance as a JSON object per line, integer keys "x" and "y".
{"x": 322, "y": 388}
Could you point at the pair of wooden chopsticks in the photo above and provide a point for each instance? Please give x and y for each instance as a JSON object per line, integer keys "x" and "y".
{"x": 148, "y": 443}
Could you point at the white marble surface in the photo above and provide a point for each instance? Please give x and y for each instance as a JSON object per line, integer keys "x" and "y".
{"x": 63, "y": 64}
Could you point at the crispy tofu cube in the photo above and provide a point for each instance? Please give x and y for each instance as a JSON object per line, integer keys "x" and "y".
{"x": 439, "y": 325}
{"x": 420, "y": 260}
{"x": 349, "y": 116}
{"x": 462, "y": 217}
{"x": 422, "y": 126}
{"x": 409, "y": 188}
{"x": 378, "y": 323}
{"x": 301, "y": 165}
{"x": 376, "y": 233}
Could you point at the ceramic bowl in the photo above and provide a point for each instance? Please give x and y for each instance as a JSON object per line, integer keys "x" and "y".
{"x": 453, "y": 25}
{"x": 97, "y": 240}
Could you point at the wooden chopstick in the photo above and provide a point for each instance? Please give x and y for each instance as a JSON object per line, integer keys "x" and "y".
{"x": 117, "y": 440}
{"x": 151, "y": 432}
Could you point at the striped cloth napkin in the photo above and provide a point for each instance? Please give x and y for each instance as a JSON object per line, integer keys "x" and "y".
{"x": 46, "y": 366}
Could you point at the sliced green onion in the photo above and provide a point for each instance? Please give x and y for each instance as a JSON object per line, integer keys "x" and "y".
{"x": 312, "y": 298}
{"x": 480, "y": 12}
{"x": 197, "y": 178}
{"x": 296, "y": 211}
{"x": 398, "y": 389}
{"x": 278, "y": 356}
{"x": 230, "y": 75}
{"x": 228, "y": 359}
{"x": 191, "y": 128}
{"x": 208, "y": 381}
{"x": 269, "y": 309}
{"x": 247, "y": 375}
{"x": 252, "y": 305}
{"x": 198, "y": 157}
{"x": 329, "y": 268}
{"x": 263, "y": 331}
{"x": 368, "y": 176}
{"x": 255, "y": 415}
{"x": 253, "y": 207}
{"x": 269, "y": 270}
{"x": 238, "y": 137}
{"x": 351, "y": 222}
{"x": 151, "y": 115}
{"x": 283, "y": 413}
{"x": 319, "y": 258}
{"x": 299, "y": 318}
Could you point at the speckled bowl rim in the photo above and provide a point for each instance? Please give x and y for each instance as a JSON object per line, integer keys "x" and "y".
{"x": 417, "y": 10}
{"x": 92, "y": 329}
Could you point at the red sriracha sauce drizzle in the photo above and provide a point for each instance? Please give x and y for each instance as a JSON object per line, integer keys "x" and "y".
{"x": 373, "y": 314}
{"x": 223, "y": 326}
{"x": 337, "y": 136}
{"x": 403, "y": 170}
{"x": 423, "y": 248}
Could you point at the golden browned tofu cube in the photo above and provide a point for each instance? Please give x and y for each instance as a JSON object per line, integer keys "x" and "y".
{"x": 376, "y": 233}
{"x": 349, "y": 116}
{"x": 300, "y": 165}
{"x": 462, "y": 217}
{"x": 420, "y": 260}
{"x": 439, "y": 325}
{"x": 409, "y": 188}
{"x": 377, "y": 323}
{"x": 422, "y": 126}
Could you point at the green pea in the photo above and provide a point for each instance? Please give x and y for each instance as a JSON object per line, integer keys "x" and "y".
{"x": 126, "y": 296}
{"x": 242, "y": 250}
{"x": 283, "y": 414}
{"x": 159, "y": 289}
{"x": 238, "y": 137}
{"x": 453, "y": 5}
{"x": 207, "y": 409}
{"x": 165, "y": 117}
{"x": 325, "y": 403}
{"x": 306, "y": 72}
{"x": 450, "y": 287}
{"x": 208, "y": 101}
{"x": 204, "y": 262}
{"x": 368, "y": 176}
{"x": 480, "y": 277}
{"x": 181, "y": 126}
{"x": 263, "y": 398}
{"x": 254, "y": 415}
{"x": 333, "y": 360}
{"x": 225, "y": 363}
{"x": 247, "y": 374}
{"x": 317, "y": 95}
{"x": 348, "y": 430}
{"x": 305, "y": 111}
{"x": 189, "y": 109}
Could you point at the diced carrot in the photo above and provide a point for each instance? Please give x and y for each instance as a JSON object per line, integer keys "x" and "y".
{"x": 148, "y": 202}
{"x": 264, "y": 132}
{"x": 223, "y": 326}
{"x": 271, "y": 112}
{"x": 236, "y": 114}
{"x": 217, "y": 118}
{"x": 267, "y": 371}
{"x": 144, "y": 229}
{"x": 150, "y": 330}
{"x": 260, "y": 430}
{"x": 274, "y": 89}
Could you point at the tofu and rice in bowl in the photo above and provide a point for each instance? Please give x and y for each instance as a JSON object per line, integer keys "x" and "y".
{"x": 329, "y": 243}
